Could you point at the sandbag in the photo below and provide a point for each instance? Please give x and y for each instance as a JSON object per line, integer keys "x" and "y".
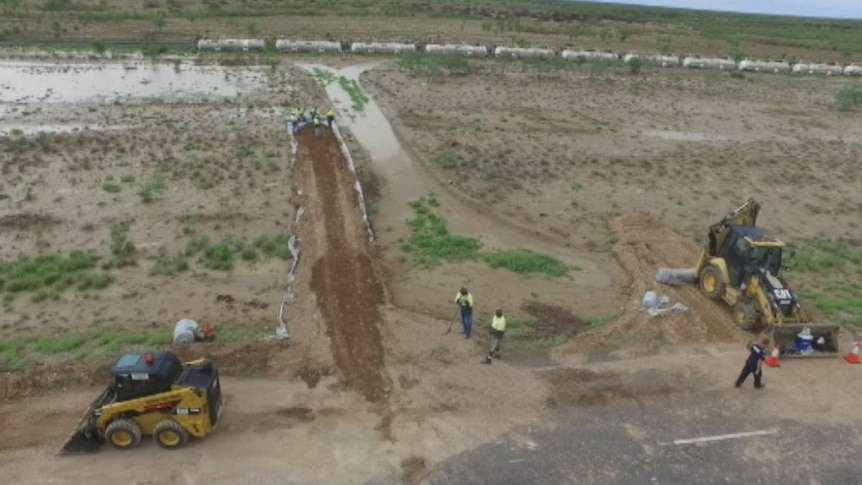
{"x": 676, "y": 276}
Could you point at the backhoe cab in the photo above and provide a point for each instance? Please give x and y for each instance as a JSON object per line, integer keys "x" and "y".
{"x": 742, "y": 265}
{"x": 153, "y": 394}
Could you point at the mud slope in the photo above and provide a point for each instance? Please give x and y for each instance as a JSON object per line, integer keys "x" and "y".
{"x": 343, "y": 280}
{"x": 644, "y": 245}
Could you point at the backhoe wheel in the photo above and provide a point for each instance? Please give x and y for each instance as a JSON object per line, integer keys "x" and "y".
{"x": 123, "y": 434}
{"x": 170, "y": 434}
{"x": 711, "y": 283}
{"x": 745, "y": 314}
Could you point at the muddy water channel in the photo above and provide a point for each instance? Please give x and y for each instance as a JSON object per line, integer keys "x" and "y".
{"x": 33, "y": 82}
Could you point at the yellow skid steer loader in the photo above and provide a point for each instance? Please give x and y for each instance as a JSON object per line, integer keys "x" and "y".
{"x": 742, "y": 265}
{"x": 153, "y": 394}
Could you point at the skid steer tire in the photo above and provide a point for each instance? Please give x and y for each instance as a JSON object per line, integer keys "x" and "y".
{"x": 711, "y": 283}
{"x": 170, "y": 434}
{"x": 745, "y": 314}
{"x": 123, "y": 434}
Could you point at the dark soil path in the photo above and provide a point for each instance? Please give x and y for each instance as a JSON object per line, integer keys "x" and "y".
{"x": 348, "y": 292}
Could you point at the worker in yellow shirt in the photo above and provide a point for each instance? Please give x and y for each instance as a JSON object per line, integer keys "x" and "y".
{"x": 317, "y": 131}
{"x": 498, "y": 328}
{"x": 464, "y": 299}
{"x": 330, "y": 117}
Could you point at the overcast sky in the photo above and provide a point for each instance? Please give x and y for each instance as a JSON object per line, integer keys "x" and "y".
{"x": 805, "y": 8}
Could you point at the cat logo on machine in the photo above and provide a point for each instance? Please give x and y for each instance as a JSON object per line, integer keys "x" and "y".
{"x": 188, "y": 411}
{"x": 783, "y": 295}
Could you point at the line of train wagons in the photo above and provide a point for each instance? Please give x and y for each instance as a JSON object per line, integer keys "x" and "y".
{"x": 727, "y": 64}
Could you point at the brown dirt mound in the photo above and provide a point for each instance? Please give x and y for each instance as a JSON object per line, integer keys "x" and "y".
{"x": 343, "y": 280}
{"x": 35, "y": 381}
{"x": 235, "y": 359}
{"x": 644, "y": 246}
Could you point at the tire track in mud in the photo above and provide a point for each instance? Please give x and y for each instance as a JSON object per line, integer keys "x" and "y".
{"x": 348, "y": 291}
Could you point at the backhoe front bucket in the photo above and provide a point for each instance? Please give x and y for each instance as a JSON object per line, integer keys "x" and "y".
{"x": 823, "y": 341}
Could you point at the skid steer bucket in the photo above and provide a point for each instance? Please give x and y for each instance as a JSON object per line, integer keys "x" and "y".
{"x": 85, "y": 438}
{"x": 820, "y": 340}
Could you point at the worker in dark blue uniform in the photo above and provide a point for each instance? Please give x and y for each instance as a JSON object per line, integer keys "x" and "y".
{"x": 754, "y": 365}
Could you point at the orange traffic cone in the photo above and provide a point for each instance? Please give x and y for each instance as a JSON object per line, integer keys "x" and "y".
{"x": 853, "y": 356}
{"x": 772, "y": 360}
{"x": 208, "y": 331}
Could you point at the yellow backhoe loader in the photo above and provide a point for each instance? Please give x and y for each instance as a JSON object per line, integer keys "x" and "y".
{"x": 153, "y": 394}
{"x": 742, "y": 265}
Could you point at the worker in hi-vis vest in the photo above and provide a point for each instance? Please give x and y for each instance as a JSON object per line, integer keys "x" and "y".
{"x": 330, "y": 117}
{"x": 464, "y": 299}
{"x": 498, "y": 328}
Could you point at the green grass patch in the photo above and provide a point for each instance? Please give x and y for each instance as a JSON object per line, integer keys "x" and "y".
{"x": 57, "y": 344}
{"x": 219, "y": 256}
{"x": 601, "y": 320}
{"x": 10, "y": 357}
{"x": 840, "y": 301}
{"x": 127, "y": 179}
{"x": 111, "y": 188}
{"x": 324, "y": 77}
{"x": 431, "y": 244}
{"x": 541, "y": 343}
{"x": 274, "y": 246}
{"x": 525, "y": 261}
{"x": 357, "y": 97}
{"x": 52, "y": 273}
{"x": 825, "y": 255}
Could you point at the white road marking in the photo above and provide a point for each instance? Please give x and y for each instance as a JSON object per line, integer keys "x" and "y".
{"x": 704, "y": 439}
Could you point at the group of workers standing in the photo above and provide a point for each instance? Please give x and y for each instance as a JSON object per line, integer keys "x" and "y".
{"x": 464, "y": 300}
{"x": 302, "y": 116}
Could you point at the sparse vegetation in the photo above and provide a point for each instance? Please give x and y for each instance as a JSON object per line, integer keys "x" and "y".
{"x": 111, "y": 188}
{"x": 436, "y": 67}
{"x": 166, "y": 265}
{"x": 357, "y": 97}
{"x": 152, "y": 190}
{"x": 849, "y": 98}
{"x": 448, "y": 158}
{"x": 122, "y": 249}
{"x": 220, "y": 255}
{"x": 53, "y": 273}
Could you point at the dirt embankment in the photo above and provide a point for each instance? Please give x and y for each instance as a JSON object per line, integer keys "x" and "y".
{"x": 343, "y": 280}
{"x": 644, "y": 245}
